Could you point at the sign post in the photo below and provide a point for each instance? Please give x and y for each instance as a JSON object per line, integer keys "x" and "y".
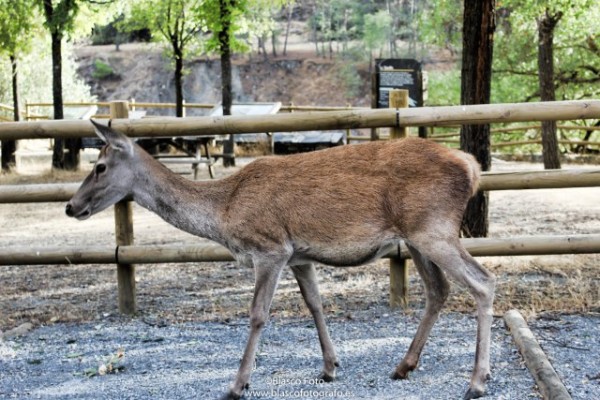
{"x": 399, "y": 73}
{"x": 394, "y": 73}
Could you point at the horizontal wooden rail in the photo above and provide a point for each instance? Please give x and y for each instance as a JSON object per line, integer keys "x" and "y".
{"x": 523, "y": 142}
{"x": 520, "y": 128}
{"x": 132, "y": 104}
{"x": 550, "y": 179}
{"x": 159, "y": 254}
{"x": 326, "y": 120}
{"x": 37, "y": 193}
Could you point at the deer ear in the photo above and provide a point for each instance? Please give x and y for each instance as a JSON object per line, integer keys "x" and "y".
{"x": 115, "y": 139}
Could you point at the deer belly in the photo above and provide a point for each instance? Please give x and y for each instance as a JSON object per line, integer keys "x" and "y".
{"x": 344, "y": 255}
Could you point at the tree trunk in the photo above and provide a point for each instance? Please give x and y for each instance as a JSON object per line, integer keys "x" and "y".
{"x": 476, "y": 77}
{"x": 546, "y": 25}
{"x": 226, "y": 87}
{"x": 274, "y": 43}
{"x": 58, "y": 154}
{"x": 10, "y": 146}
{"x": 178, "y": 80}
{"x": 60, "y": 160}
{"x": 287, "y": 27}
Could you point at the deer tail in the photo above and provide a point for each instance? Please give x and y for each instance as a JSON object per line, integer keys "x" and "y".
{"x": 473, "y": 170}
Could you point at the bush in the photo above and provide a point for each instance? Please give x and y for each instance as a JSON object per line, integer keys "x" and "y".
{"x": 102, "y": 70}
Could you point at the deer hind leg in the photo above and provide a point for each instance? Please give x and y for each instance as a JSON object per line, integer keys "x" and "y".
{"x": 458, "y": 264}
{"x": 436, "y": 292}
{"x": 307, "y": 280}
{"x": 267, "y": 276}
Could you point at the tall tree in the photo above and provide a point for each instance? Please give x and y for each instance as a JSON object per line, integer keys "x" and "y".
{"x": 226, "y": 9}
{"x": 176, "y": 22}
{"x": 59, "y": 19}
{"x": 476, "y": 77}
{"x": 546, "y": 25}
{"x": 223, "y": 19}
{"x": 16, "y": 22}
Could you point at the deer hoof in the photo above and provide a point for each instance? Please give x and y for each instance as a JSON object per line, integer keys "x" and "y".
{"x": 473, "y": 394}
{"x": 231, "y": 396}
{"x": 401, "y": 373}
{"x": 397, "y": 375}
{"x": 326, "y": 377}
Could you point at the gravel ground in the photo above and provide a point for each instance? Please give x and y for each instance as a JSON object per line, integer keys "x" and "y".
{"x": 198, "y": 361}
{"x": 572, "y": 345}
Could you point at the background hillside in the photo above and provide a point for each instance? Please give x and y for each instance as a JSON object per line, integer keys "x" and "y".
{"x": 141, "y": 71}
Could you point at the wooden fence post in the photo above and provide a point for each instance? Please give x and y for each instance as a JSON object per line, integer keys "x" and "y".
{"x": 398, "y": 267}
{"x": 124, "y": 233}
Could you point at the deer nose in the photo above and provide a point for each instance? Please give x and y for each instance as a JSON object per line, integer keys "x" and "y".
{"x": 69, "y": 210}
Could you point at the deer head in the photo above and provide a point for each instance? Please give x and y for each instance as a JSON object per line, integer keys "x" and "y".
{"x": 111, "y": 179}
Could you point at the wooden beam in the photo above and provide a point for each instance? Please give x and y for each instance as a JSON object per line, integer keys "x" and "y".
{"x": 398, "y": 266}
{"x": 211, "y": 252}
{"x": 326, "y": 120}
{"x": 542, "y": 371}
{"x": 528, "y": 245}
{"x": 37, "y": 193}
{"x": 124, "y": 234}
{"x": 550, "y": 179}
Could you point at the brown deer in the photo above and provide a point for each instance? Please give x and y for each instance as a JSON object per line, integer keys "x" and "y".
{"x": 344, "y": 206}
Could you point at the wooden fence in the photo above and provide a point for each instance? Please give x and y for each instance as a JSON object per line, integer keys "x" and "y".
{"x": 324, "y": 120}
{"x": 125, "y": 254}
{"x": 133, "y": 105}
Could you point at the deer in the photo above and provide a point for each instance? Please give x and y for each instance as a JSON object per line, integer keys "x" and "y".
{"x": 342, "y": 206}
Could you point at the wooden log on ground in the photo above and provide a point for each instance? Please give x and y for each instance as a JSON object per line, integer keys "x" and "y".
{"x": 542, "y": 371}
{"x": 325, "y": 120}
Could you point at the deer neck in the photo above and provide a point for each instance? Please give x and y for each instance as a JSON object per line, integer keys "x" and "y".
{"x": 190, "y": 206}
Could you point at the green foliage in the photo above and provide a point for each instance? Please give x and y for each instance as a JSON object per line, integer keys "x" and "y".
{"x": 35, "y": 75}
{"x": 228, "y": 22}
{"x": 60, "y": 15}
{"x": 174, "y": 22}
{"x": 102, "y": 70}
{"x": 349, "y": 74}
{"x": 515, "y": 77}
{"x": 439, "y": 23}
{"x": 444, "y": 88}
{"x": 377, "y": 30}
{"x": 576, "y": 50}
{"x": 240, "y": 19}
{"x": 115, "y": 33}
{"x": 16, "y": 23}
{"x": 76, "y": 18}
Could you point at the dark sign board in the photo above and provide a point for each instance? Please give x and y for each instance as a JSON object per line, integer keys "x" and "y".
{"x": 396, "y": 73}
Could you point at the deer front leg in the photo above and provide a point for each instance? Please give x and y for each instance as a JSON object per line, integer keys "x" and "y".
{"x": 307, "y": 280}
{"x": 267, "y": 276}
{"x": 436, "y": 292}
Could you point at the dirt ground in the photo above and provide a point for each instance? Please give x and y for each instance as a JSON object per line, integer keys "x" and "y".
{"x": 221, "y": 291}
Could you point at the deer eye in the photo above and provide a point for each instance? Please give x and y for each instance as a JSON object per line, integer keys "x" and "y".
{"x": 100, "y": 168}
